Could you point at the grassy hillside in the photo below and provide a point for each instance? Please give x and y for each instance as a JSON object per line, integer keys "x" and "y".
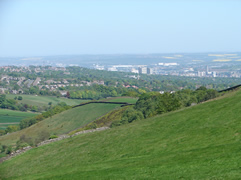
{"x": 44, "y": 100}
{"x": 200, "y": 142}
{"x": 9, "y": 117}
{"x": 61, "y": 123}
{"x": 123, "y": 99}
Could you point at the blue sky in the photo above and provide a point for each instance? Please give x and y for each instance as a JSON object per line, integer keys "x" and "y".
{"x": 64, "y": 27}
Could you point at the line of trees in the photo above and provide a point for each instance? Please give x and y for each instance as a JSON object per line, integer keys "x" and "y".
{"x": 153, "y": 103}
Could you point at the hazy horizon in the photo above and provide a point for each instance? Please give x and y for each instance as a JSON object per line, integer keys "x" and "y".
{"x": 63, "y": 28}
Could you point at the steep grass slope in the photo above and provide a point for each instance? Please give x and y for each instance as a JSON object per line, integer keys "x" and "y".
{"x": 200, "y": 142}
{"x": 61, "y": 123}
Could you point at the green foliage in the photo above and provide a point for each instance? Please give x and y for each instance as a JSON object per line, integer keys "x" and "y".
{"x": 154, "y": 103}
{"x": 20, "y": 98}
{"x": 11, "y": 128}
{"x": 21, "y": 145}
{"x": 53, "y": 137}
{"x": 104, "y": 121}
{"x": 116, "y": 123}
{"x": 9, "y": 150}
{"x": 34, "y": 108}
{"x": 43, "y": 135}
{"x": 60, "y": 107}
{"x": 96, "y": 92}
{"x": 131, "y": 115}
{"x": 7, "y": 103}
{"x": 2, "y": 132}
{"x": 131, "y": 93}
{"x": 24, "y": 141}
{"x": 3, "y": 148}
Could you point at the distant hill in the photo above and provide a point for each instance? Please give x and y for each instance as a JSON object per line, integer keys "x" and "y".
{"x": 199, "y": 142}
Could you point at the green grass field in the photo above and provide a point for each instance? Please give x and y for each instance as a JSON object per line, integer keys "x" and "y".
{"x": 123, "y": 99}
{"x": 9, "y": 117}
{"x": 199, "y": 142}
{"x": 62, "y": 123}
{"x": 44, "y": 100}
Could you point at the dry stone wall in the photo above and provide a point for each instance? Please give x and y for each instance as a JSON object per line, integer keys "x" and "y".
{"x": 20, "y": 151}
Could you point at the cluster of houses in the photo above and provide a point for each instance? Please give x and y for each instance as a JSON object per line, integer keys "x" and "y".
{"x": 29, "y": 69}
{"x": 128, "y": 86}
{"x": 50, "y": 84}
{"x": 15, "y": 69}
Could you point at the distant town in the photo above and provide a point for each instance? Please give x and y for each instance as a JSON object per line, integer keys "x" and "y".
{"x": 54, "y": 75}
{"x": 184, "y": 64}
{"x": 171, "y": 69}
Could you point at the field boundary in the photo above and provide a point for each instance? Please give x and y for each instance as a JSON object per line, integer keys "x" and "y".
{"x": 231, "y": 88}
{"x": 103, "y": 102}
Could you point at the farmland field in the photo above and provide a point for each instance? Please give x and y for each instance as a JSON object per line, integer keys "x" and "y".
{"x": 123, "y": 99}
{"x": 44, "y": 100}
{"x": 63, "y": 122}
{"x": 9, "y": 117}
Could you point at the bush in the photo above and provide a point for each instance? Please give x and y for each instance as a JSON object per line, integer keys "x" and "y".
{"x": 3, "y": 148}
{"x": 53, "y": 137}
{"x": 25, "y": 140}
{"x": 131, "y": 115}
{"x": 9, "y": 150}
{"x": 116, "y": 123}
{"x": 21, "y": 145}
{"x": 44, "y": 135}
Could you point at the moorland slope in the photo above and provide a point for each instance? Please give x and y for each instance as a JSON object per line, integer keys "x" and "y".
{"x": 199, "y": 142}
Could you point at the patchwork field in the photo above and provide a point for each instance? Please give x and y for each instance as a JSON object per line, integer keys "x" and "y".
{"x": 62, "y": 123}
{"x": 9, "y": 117}
{"x": 44, "y": 100}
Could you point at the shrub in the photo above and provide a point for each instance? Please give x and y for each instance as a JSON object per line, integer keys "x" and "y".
{"x": 21, "y": 145}
{"x": 9, "y": 150}
{"x": 42, "y": 136}
{"x": 115, "y": 123}
{"x": 3, "y": 148}
{"x": 53, "y": 137}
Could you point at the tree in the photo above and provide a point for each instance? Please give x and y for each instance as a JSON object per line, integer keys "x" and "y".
{"x": 34, "y": 108}
{"x": 9, "y": 150}
{"x": 20, "y": 98}
{"x": 11, "y": 128}
{"x": 131, "y": 115}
